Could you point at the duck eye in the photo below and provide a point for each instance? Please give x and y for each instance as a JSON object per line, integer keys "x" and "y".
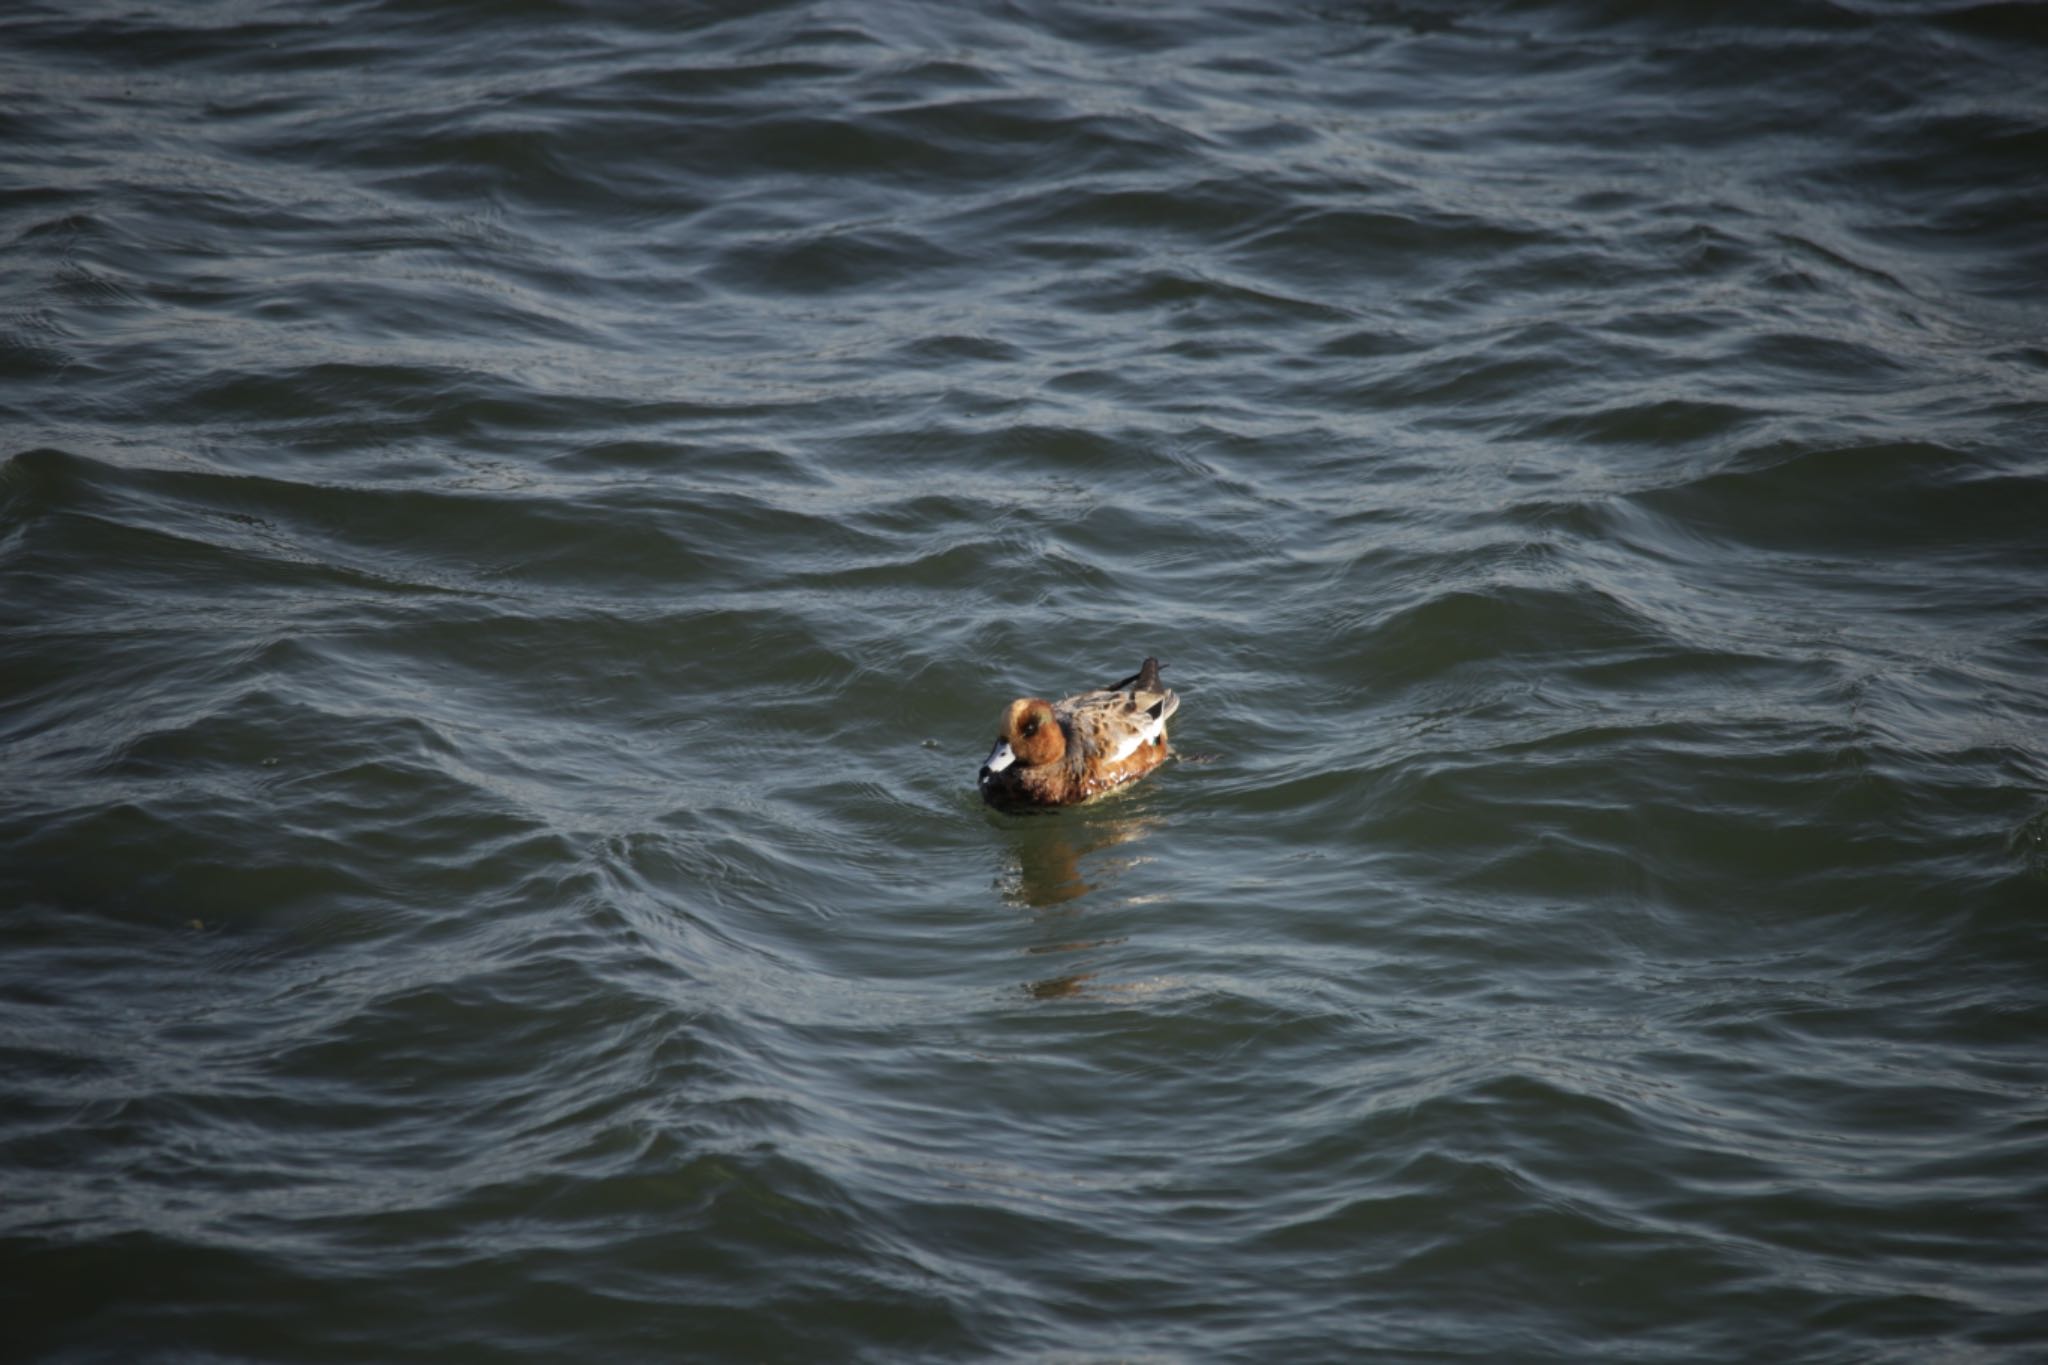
{"x": 1030, "y": 728}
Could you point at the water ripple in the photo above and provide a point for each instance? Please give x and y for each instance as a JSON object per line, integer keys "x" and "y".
{"x": 516, "y": 524}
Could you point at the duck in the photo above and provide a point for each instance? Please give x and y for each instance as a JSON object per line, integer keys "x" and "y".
{"x": 1065, "y": 752}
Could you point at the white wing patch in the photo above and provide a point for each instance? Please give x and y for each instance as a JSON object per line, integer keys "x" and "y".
{"x": 1137, "y": 739}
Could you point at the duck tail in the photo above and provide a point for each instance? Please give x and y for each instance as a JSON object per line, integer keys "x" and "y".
{"x": 1146, "y": 679}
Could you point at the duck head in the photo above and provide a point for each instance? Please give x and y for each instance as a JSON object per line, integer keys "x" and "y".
{"x": 1029, "y": 735}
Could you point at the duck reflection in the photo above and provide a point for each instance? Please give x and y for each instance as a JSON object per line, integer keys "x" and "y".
{"x": 1049, "y": 851}
{"x": 1057, "y": 864}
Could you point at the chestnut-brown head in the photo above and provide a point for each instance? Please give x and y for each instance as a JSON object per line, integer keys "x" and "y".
{"x": 1029, "y": 736}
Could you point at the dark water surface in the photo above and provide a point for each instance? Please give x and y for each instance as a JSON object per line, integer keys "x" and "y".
{"x": 517, "y": 520}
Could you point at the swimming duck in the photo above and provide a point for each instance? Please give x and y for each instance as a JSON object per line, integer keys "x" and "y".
{"x": 1060, "y": 753}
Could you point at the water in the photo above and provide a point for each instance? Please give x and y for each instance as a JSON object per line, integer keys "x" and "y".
{"x": 517, "y": 521}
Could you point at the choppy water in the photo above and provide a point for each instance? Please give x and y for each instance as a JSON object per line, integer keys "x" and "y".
{"x": 516, "y": 522}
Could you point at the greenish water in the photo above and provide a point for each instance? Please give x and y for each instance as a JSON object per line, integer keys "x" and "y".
{"x": 517, "y": 523}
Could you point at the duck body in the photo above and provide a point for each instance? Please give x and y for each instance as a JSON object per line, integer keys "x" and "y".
{"x": 1065, "y": 752}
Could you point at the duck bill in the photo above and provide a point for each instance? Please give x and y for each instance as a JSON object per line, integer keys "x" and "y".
{"x": 999, "y": 758}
